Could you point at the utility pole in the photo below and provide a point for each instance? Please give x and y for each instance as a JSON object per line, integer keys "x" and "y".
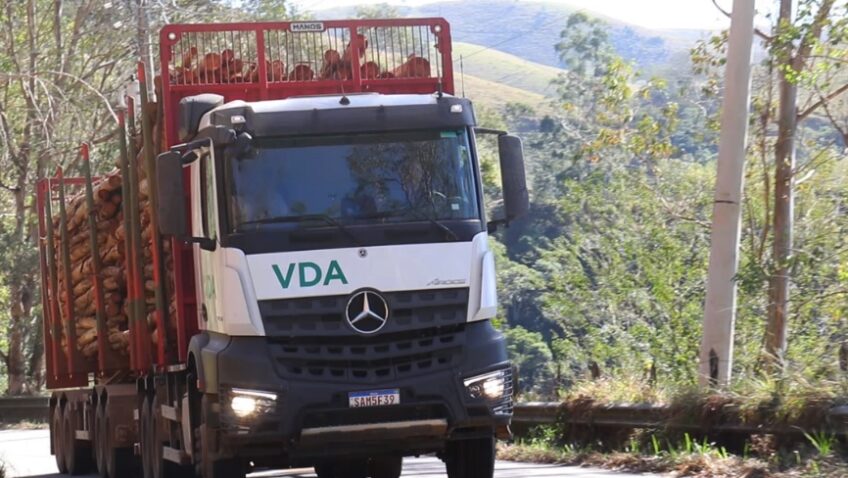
{"x": 716, "y": 356}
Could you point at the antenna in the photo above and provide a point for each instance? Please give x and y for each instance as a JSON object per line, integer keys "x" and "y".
{"x": 462, "y": 76}
{"x": 438, "y": 30}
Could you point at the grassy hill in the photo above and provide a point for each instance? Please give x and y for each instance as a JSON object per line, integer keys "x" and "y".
{"x": 499, "y": 67}
{"x": 492, "y": 95}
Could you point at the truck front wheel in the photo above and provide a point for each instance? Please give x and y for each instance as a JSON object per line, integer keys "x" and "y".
{"x": 342, "y": 469}
{"x": 385, "y": 467}
{"x": 471, "y": 458}
{"x": 210, "y": 465}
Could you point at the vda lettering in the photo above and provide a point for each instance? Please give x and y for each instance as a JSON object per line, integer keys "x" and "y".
{"x": 309, "y": 274}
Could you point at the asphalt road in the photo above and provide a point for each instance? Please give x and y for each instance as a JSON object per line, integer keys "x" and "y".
{"x": 26, "y": 453}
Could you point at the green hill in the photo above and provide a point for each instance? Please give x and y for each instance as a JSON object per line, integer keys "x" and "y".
{"x": 492, "y": 95}
{"x": 499, "y": 67}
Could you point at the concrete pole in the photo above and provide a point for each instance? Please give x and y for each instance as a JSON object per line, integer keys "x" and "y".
{"x": 716, "y": 356}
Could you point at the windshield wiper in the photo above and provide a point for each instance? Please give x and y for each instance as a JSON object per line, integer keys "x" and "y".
{"x": 396, "y": 213}
{"x": 302, "y": 218}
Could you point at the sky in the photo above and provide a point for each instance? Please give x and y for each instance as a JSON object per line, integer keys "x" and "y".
{"x": 690, "y": 14}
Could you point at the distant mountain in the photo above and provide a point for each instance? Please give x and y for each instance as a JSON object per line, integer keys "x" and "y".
{"x": 531, "y": 29}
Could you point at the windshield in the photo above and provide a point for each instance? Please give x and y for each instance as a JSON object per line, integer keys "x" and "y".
{"x": 354, "y": 179}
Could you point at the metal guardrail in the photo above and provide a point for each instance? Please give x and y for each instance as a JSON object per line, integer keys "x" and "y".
{"x": 17, "y": 409}
{"x": 528, "y": 415}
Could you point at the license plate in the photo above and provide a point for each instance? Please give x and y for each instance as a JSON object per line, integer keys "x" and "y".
{"x": 374, "y": 398}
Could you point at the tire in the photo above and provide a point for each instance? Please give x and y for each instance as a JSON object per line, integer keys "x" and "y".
{"x": 209, "y": 465}
{"x": 471, "y": 458}
{"x": 119, "y": 462}
{"x": 77, "y": 452}
{"x": 146, "y": 440}
{"x": 101, "y": 441}
{"x": 342, "y": 469}
{"x": 153, "y": 463}
{"x": 227, "y": 468}
{"x": 385, "y": 467}
{"x": 57, "y": 435}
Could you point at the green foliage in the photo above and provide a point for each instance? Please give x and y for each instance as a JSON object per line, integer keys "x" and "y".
{"x": 610, "y": 265}
{"x": 823, "y": 442}
{"x": 532, "y": 358}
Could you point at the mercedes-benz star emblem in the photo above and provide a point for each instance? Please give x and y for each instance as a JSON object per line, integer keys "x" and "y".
{"x": 367, "y": 312}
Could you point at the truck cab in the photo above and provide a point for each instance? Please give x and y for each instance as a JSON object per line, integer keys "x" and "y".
{"x": 345, "y": 282}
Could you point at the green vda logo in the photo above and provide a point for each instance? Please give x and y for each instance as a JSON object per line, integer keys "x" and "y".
{"x": 309, "y": 274}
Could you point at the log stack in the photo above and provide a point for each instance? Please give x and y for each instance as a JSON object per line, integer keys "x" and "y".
{"x": 112, "y": 234}
{"x": 224, "y": 67}
{"x": 80, "y": 284}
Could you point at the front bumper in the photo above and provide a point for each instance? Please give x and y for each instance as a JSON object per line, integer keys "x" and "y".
{"x": 313, "y": 419}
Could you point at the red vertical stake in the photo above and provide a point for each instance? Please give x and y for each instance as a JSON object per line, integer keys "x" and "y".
{"x": 356, "y": 47}
{"x": 263, "y": 66}
{"x": 162, "y": 308}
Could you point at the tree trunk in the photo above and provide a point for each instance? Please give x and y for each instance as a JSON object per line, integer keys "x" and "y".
{"x": 778, "y": 294}
{"x": 793, "y": 63}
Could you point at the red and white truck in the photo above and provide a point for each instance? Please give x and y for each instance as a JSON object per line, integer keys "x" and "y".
{"x": 301, "y": 275}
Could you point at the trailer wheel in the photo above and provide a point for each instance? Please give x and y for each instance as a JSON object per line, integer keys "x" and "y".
{"x": 77, "y": 452}
{"x": 57, "y": 434}
{"x": 101, "y": 441}
{"x": 146, "y": 439}
{"x": 119, "y": 462}
{"x": 385, "y": 467}
{"x": 471, "y": 458}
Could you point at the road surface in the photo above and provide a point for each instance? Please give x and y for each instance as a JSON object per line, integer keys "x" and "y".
{"x": 26, "y": 453}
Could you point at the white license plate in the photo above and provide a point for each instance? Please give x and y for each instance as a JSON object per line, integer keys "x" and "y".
{"x": 374, "y": 398}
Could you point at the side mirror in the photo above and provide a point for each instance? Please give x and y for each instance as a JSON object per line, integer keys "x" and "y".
{"x": 516, "y": 197}
{"x": 170, "y": 192}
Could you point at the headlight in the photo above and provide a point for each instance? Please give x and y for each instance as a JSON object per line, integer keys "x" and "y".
{"x": 245, "y": 403}
{"x": 490, "y": 386}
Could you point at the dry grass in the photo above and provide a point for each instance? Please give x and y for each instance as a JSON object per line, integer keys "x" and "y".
{"x": 695, "y": 465}
{"x": 24, "y": 425}
{"x": 618, "y": 390}
{"x": 790, "y": 402}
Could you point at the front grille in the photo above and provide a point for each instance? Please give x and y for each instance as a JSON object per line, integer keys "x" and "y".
{"x": 310, "y": 338}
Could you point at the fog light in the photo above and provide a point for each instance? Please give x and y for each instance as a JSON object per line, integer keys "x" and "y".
{"x": 490, "y": 386}
{"x": 245, "y": 403}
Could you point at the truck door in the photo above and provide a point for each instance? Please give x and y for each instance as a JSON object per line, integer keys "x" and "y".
{"x": 208, "y": 264}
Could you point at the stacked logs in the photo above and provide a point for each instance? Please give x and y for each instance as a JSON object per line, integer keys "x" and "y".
{"x": 225, "y": 67}
{"x": 108, "y": 217}
{"x": 112, "y": 236}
